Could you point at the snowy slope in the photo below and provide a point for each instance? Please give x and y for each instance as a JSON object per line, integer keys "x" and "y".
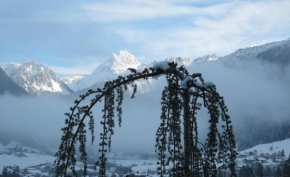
{"x": 181, "y": 61}
{"x": 279, "y": 54}
{"x": 269, "y": 155}
{"x": 256, "y": 51}
{"x": 206, "y": 58}
{"x": 274, "y": 147}
{"x": 15, "y": 154}
{"x": 72, "y": 81}
{"x": 35, "y": 78}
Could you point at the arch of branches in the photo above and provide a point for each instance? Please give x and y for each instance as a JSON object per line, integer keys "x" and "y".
{"x": 177, "y": 140}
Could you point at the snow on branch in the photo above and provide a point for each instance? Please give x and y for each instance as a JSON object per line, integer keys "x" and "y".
{"x": 163, "y": 65}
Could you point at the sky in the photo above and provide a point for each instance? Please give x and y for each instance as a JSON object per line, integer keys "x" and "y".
{"x": 74, "y": 37}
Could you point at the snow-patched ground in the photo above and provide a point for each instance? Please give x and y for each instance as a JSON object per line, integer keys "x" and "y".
{"x": 10, "y": 156}
{"x": 269, "y": 155}
{"x": 137, "y": 165}
{"x": 24, "y": 162}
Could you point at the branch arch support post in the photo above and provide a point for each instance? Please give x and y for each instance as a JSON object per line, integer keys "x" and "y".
{"x": 177, "y": 141}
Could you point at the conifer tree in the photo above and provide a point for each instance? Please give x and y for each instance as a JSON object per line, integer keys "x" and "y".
{"x": 278, "y": 172}
{"x": 5, "y": 172}
{"x": 285, "y": 169}
{"x": 259, "y": 170}
{"x": 177, "y": 138}
{"x": 282, "y": 153}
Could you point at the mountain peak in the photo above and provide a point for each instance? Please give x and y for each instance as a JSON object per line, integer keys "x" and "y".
{"x": 124, "y": 52}
{"x": 125, "y": 58}
{"x": 32, "y": 62}
{"x": 118, "y": 64}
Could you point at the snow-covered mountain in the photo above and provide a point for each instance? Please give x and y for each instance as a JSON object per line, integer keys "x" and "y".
{"x": 72, "y": 80}
{"x": 279, "y": 54}
{"x": 187, "y": 61}
{"x": 206, "y": 58}
{"x": 119, "y": 64}
{"x": 274, "y": 52}
{"x": 181, "y": 61}
{"x": 35, "y": 78}
{"x": 116, "y": 65}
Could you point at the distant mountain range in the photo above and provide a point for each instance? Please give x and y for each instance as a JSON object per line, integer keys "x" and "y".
{"x": 118, "y": 65}
{"x": 36, "y": 79}
{"x": 276, "y": 52}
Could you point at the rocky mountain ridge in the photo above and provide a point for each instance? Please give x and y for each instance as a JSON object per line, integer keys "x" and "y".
{"x": 35, "y": 78}
{"x": 265, "y": 52}
{"x": 8, "y": 86}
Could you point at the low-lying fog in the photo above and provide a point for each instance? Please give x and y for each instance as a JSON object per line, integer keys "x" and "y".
{"x": 251, "y": 90}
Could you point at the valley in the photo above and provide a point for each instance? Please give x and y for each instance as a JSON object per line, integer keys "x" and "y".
{"x": 253, "y": 83}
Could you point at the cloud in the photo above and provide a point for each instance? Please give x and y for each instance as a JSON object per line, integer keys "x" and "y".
{"x": 148, "y": 29}
{"x": 33, "y": 118}
{"x": 80, "y": 12}
{"x": 141, "y": 10}
{"x": 226, "y": 27}
{"x": 132, "y": 10}
{"x": 253, "y": 17}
